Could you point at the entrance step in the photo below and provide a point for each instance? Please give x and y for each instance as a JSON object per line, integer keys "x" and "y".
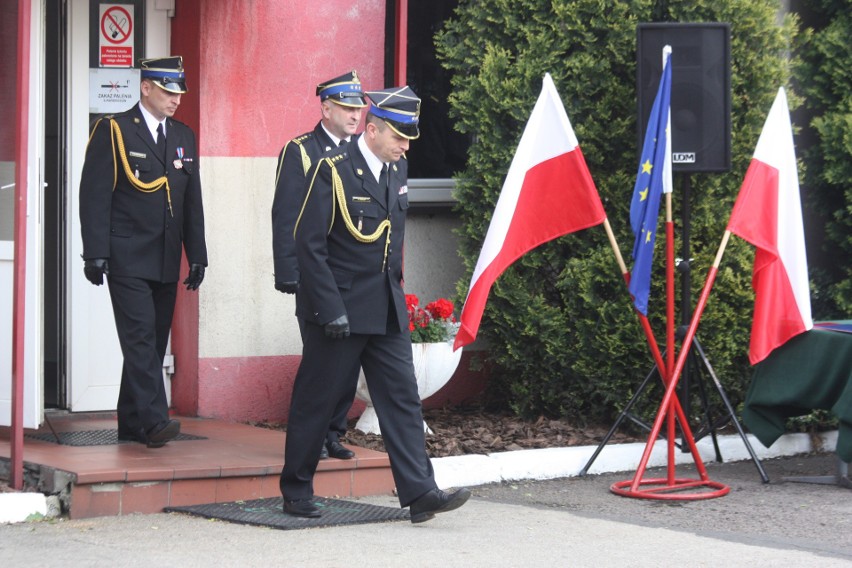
{"x": 220, "y": 462}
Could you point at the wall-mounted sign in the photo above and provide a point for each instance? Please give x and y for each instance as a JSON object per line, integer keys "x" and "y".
{"x": 116, "y": 35}
{"x": 112, "y": 90}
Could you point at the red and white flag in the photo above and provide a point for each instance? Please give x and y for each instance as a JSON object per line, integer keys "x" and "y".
{"x": 548, "y": 193}
{"x": 768, "y": 214}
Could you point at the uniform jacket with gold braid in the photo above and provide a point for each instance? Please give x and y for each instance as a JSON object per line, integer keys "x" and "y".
{"x": 294, "y": 162}
{"x": 137, "y": 208}
{"x": 348, "y": 264}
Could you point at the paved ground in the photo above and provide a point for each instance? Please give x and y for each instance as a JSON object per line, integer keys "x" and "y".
{"x": 562, "y": 522}
{"x": 782, "y": 514}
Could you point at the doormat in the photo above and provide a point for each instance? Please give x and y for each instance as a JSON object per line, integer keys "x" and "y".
{"x": 268, "y": 513}
{"x": 95, "y": 438}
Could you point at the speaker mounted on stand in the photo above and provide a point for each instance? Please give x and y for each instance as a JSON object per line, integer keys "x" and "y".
{"x": 701, "y": 91}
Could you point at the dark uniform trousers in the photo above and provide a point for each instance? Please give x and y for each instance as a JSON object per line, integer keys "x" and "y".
{"x": 143, "y": 312}
{"x": 290, "y": 186}
{"x": 361, "y": 278}
{"x": 143, "y": 235}
{"x": 386, "y": 360}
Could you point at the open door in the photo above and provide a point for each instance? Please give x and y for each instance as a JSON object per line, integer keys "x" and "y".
{"x": 94, "y": 360}
{"x": 103, "y": 37}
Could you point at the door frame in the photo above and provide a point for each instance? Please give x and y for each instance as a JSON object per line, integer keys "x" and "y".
{"x": 29, "y": 173}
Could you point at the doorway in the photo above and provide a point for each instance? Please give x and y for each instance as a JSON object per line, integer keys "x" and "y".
{"x": 55, "y": 203}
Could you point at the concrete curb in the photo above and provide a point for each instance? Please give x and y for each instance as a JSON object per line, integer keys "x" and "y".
{"x": 553, "y": 463}
{"x": 19, "y": 507}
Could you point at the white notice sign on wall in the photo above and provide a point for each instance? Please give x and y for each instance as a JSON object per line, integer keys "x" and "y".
{"x": 112, "y": 90}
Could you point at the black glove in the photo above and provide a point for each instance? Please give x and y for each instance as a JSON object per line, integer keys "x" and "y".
{"x": 196, "y": 275}
{"x": 287, "y": 287}
{"x": 94, "y": 269}
{"x": 338, "y": 329}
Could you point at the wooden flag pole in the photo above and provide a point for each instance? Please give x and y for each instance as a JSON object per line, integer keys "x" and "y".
{"x": 643, "y": 320}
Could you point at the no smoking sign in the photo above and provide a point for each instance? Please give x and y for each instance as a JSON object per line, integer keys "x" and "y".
{"x": 116, "y": 35}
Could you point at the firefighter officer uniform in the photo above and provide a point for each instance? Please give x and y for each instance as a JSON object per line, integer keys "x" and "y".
{"x": 349, "y": 240}
{"x": 140, "y": 206}
{"x": 294, "y": 163}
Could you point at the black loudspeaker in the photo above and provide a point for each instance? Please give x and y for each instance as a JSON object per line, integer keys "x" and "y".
{"x": 701, "y": 91}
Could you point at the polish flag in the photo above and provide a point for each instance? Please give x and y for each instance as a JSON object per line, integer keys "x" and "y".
{"x": 548, "y": 193}
{"x": 768, "y": 214}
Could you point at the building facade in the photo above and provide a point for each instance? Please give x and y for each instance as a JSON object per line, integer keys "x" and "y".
{"x": 252, "y": 68}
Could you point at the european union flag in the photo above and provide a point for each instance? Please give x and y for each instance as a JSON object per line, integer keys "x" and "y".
{"x": 654, "y": 178}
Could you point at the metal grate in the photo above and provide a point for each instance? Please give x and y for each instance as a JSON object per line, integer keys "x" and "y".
{"x": 269, "y": 513}
{"x": 94, "y": 438}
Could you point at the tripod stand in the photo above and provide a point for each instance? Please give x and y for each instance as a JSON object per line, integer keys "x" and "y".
{"x": 709, "y": 424}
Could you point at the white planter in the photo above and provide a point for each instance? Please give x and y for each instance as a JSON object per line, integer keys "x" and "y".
{"x": 434, "y": 364}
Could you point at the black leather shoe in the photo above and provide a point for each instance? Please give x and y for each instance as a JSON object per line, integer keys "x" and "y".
{"x": 437, "y": 501}
{"x": 163, "y": 432}
{"x": 336, "y": 450}
{"x": 302, "y": 508}
{"x": 323, "y": 453}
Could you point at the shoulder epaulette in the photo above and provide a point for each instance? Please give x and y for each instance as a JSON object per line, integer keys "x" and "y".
{"x": 306, "y": 160}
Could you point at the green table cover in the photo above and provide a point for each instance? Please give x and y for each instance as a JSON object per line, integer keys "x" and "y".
{"x": 811, "y": 371}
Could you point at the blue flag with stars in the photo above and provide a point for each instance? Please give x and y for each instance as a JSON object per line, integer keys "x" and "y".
{"x": 653, "y": 179}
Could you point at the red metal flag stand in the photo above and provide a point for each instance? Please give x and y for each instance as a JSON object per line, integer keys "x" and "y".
{"x": 664, "y": 488}
{"x": 671, "y": 487}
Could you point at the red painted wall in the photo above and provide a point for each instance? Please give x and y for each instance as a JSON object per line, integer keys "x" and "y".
{"x": 186, "y": 41}
{"x": 252, "y": 69}
{"x": 261, "y": 61}
{"x": 243, "y": 389}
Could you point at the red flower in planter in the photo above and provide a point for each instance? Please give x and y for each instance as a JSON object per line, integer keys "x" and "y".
{"x": 433, "y": 324}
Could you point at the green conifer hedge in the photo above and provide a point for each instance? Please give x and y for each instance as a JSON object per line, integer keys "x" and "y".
{"x": 825, "y": 80}
{"x": 563, "y": 339}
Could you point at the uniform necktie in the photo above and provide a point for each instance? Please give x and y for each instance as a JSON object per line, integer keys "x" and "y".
{"x": 161, "y": 141}
{"x": 383, "y": 182}
{"x": 342, "y": 142}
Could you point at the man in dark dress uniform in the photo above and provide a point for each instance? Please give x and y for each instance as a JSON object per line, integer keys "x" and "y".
{"x": 349, "y": 245}
{"x": 140, "y": 205}
{"x": 341, "y": 103}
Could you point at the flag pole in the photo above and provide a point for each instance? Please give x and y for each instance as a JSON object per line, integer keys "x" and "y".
{"x": 670, "y": 329}
{"x": 670, "y": 291}
{"x": 612, "y": 242}
{"x": 643, "y": 320}
{"x": 681, "y": 360}
{"x": 670, "y": 288}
